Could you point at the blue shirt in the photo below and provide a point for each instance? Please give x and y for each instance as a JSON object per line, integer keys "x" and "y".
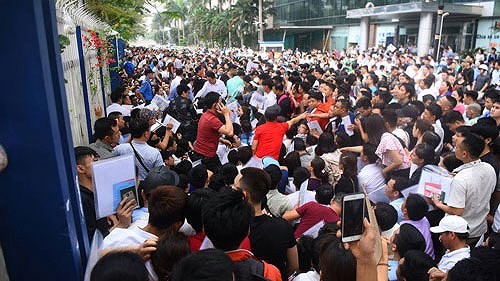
{"x": 146, "y": 90}
{"x": 129, "y": 68}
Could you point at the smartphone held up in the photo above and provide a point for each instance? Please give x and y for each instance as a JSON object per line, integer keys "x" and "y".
{"x": 353, "y": 212}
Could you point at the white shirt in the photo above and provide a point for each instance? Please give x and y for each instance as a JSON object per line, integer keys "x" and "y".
{"x": 496, "y": 221}
{"x": 495, "y": 77}
{"x": 449, "y": 259}
{"x": 218, "y": 87}
{"x": 121, "y": 237}
{"x": 269, "y": 100}
{"x": 438, "y": 128}
{"x": 430, "y": 91}
{"x": 117, "y": 107}
{"x": 175, "y": 82}
{"x": 308, "y": 276}
{"x": 471, "y": 190}
{"x": 373, "y": 180}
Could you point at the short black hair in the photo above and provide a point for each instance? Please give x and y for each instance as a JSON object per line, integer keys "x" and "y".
{"x": 182, "y": 89}
{"x": 435, "y": 110}
{"x": 431, "y": 138}
{"x": 453, "y": 116}
{"x": 117, "y": 95}
{"x": 210, "y": 74}
{"x": 117, "y": 266}
{"x": 256, "y": 182}
{"x": 228, "y": 172}
{"x": 104, "y": 127}
{"x": 387, "y": 216}
{"x": 170, "y": 248}
{"x": 166, "y": 206}
{"x": 204, "y": 265}
{"x": 82, "y": 152}
{"x": 400, "y": 183}
{"x": 416, "y": 207}
{"x": 115, "y": 115}
{"x": 194, "y": 206}
{"x": 324, "y": 194}
{"x": 470, "y": 269}
{"x": 245, "y": 154}
{"x": 226, "y": 219}
{"x": 268, "y": 83}
{"x": 416, "y": 265}
{"x": 473, "y": 144}
{"x": 138, "y": 127}
{"x": 471, "y": 94}
{"x": 485, "y": 130}
{"x": 390, "y": 117}
{"x": 210, "y": 99}
{"x": 198, "y": 176}
{"x": 315, "y": 94}
{"x": 364, "y": 102}
{"x": 275, "y": 174}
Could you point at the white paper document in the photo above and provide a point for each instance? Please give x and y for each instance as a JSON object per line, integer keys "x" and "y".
{"x": 114, "y": 179}
{"x": 169, "y": 119}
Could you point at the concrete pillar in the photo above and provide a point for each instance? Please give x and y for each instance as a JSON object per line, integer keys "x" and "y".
{"x": 424, "y": 34}
{"x": 364, "y": 33}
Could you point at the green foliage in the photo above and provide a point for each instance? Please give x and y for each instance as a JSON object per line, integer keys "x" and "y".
{"x": 63, "y": 42}
{"x": 196, "y": 22}
{"x": 124, "y": 16}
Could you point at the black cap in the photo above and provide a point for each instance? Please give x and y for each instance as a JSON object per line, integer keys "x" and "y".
{"x": 159, "y": 176}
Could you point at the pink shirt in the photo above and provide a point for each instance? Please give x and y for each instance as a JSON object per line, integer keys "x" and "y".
{"x": 389, "y": 142}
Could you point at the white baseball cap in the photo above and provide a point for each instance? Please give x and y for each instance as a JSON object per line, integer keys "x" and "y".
{"x": 451, "y": 223}
{"x": 483, "y": 66}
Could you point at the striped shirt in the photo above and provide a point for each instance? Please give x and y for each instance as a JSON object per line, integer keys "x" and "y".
{"x": 151, "y": 157}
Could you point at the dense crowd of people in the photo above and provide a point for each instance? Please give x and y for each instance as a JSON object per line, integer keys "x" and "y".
{"x": 243, "y": 160}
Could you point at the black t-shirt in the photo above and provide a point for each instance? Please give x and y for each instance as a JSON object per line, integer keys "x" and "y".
{"x": 90, "y": 217}
{"x": 198, "y": 84}
{"x": 347, "y": 185}
{"x": 270, "y": 239}
{"x": 491, "y": 159}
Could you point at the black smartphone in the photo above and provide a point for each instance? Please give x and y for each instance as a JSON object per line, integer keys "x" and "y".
{"x": 353, "y": 210}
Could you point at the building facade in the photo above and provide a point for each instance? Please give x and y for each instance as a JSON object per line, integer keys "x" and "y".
{"x": 339, "y": 24}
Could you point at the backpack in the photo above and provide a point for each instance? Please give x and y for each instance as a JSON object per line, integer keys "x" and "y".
{"x": 292, "y": 105}
{"x": 249, "y": 270}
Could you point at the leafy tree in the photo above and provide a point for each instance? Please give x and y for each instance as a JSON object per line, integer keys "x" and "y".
{"x": 124, "y": 16}
{"x": 244, "y": 16}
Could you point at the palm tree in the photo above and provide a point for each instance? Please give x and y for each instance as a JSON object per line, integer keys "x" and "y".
{"x": 177, "y": 10}
{"x": 244, "y": 17}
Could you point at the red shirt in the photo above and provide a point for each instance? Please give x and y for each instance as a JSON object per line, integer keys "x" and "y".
{"x": 208, "y": 135}
{"x": 270, "y": 138}
{"x": 196, "y": 240}
{"x": 322, "y": 108}
{"x": 312, "y": 213}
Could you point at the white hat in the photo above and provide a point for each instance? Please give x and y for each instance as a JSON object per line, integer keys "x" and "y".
{"x": 451, "y": 223}
{"x": 484, "y": 67}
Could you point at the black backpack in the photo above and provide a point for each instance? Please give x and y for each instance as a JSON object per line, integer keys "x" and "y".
{"x": 249, "y": 270}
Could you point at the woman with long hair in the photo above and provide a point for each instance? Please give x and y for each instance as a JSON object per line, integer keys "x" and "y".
{"x": 327, "y": 150}
{"x": 389, "y": 147}
{"x": 348, "y": 182}
{"x": 318, "y": 174}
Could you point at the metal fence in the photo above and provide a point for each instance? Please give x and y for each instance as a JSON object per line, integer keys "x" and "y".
{"x": 86, "y": 88}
